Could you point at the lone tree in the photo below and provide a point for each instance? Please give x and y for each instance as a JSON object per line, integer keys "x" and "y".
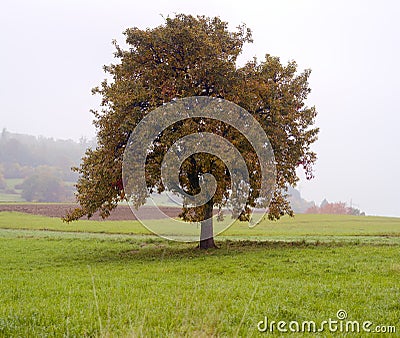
{"x": 196, "y": 56}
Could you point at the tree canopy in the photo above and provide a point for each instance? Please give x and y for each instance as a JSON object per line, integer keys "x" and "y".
{"x": 196, "y": 56}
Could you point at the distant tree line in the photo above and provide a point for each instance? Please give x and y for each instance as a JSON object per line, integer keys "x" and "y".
{"x": 43, "y": 163}
{"x": 336, "y": 208}
{"x": 20, "y": 154}
{"x": 45, "y": 185}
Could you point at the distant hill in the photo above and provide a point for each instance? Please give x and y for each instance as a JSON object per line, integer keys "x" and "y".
{"x": 298, "y": 204}
{"x": 44, "y": 161}
{"x": 21, "y": 152}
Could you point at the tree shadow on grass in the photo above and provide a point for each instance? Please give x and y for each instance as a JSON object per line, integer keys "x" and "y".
{"x": 157, "y": 249}
{"x": 164, "y": 250}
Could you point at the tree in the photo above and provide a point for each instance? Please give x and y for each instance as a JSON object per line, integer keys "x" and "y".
{"x": 196, "y": 56}
{"x": 44, "y": 186}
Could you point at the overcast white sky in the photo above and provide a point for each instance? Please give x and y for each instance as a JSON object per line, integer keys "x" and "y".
{"x": 52, "y": 53}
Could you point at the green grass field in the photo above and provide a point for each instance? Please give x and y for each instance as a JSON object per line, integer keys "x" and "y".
{"x": 114, "y": 279}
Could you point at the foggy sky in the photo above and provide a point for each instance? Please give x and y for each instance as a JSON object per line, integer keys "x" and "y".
{"x": 52, "y": 53}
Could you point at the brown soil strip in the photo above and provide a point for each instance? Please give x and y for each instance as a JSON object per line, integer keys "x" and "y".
{"x": 122, "y": 212}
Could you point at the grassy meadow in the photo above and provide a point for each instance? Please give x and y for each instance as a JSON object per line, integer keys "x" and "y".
{"x": 115, "y": 279}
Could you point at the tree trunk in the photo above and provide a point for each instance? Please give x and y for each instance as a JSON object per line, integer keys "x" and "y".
{"x": 207, "y": 231}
